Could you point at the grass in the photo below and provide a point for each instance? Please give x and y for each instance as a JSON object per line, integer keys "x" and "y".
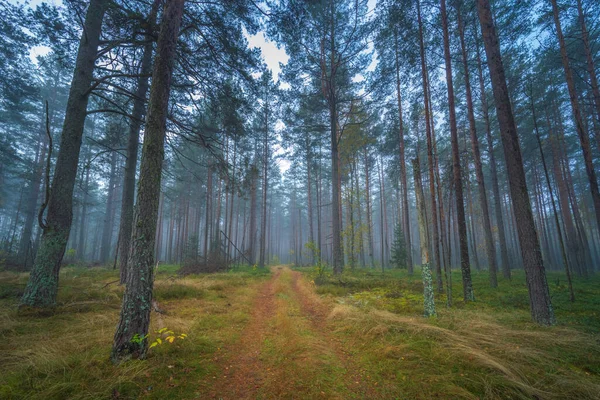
{"x": 309, "y": 341}
{"x": 298, "y": 355}
{"x": 66, "y": 355}
{"x": 486, "y": 349}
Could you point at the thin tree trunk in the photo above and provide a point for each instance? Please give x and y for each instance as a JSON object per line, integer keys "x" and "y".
{"x": 381, "y": 194}
{"x": 263, "y": 225}
{"x": 458, "y": 190}
{"x": 490, "y": 249}
{"x": 434, "y": 220}
{"x": 253, "y": 201}
{"x": 108, "y": 211}
{"x": 369, "y": 209}
{"x": 311, "y": 237}
{"x": 558, "y": 229}
{"x": 135, "y": 124}
{"x": 493, "y": 172}
{"x": 421, "y": 212}
{"x": 584, "y": 139}
{"x": 32, "y": 200}
{"x": 403, "y": 182}
{"x": 590, "y": 67}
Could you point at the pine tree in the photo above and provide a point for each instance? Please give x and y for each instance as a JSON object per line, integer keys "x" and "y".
{"x": 399, "y": 253}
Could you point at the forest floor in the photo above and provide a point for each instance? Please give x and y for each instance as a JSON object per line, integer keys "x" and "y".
{"x": 272, "y": 334}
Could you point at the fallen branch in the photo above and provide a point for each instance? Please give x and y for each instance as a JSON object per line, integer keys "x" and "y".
{"x": 110, "y": 283}
{"x": 83, "y": 303}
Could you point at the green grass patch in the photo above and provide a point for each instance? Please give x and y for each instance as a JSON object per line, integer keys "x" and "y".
{"x": 66, "y": 353}
{"x": 489, "y": 348}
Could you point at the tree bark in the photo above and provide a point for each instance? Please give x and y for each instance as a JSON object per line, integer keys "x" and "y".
{"x": 490, "y": 248}
{"x": 590, "y": 67}
{"x": 558, "y": 229}
{"x": 493, "y": 172}
{"x": 539, "y": 295}
{"x": 42, "y": 286}
{"x": 135, "y": 124}
{"x": 584, "y": 139}
{"x": 465, "y": 267}
{"x": 421, "y": 212}
{"x": 107, "y": 226}
{"x": 434, "y": 220}
{"x": 311, "y": 237}
{"x": 253, "y": 201}
{"x": 263, "y": 224}
{"x": 32, "y": 200}
{"x": 137, "y": 300}
{"x": 403, "y": 182}
{"x": 369, "y": 208}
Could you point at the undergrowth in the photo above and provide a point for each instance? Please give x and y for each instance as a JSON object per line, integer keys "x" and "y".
{"x": 66, "y": 355}
{"x": 485, "y": 349}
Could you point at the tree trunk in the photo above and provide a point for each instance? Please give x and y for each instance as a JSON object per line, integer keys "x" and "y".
{"x": 253, "y": 201}
{"x": 493, "y": 172}
{"x": 584, "y": 139}
{"x": 563, "y": 201}
{"x": 490, "y": 249}
{"x": 263, "y": 224}
{"x": 381, "y": 217}
{"x": 83, "y": 227}
{"x": 539, "y": 295}
{"x": 421, "y": 212}
{"x": 32, "y": 200}
{"x": 137, "y": 300}
{"x": 458, "y": 190}
{"x": 369, "y": 209}
{"x": 42, "y": 286}
{"x": 403, "y": 182}
{"x": 558, "y": 229}
{"x": 590, "y": 67}
{"x": 435, "y": 246}
{"x": 311, "y": 237}
{"x": 135, "y": 124}
{"x": 108, "y": 211}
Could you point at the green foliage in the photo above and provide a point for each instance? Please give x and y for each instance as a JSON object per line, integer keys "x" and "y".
{"x": 168, "y": 335}
{"x": 190, "y": 253}
{"x": 173, "y": 291}
{"x": 320, "y": 268}
{"x": 70, "y": 256}
{"x": 399, "y": 254}
{"x": 138, "y": 339}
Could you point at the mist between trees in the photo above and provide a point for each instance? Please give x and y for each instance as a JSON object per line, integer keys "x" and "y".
{"x": 451, "y": 133}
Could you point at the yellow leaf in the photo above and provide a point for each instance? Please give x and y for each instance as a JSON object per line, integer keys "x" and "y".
{"x": 170, "y": 339}
{"x": 153, "y": 344}
{"x": 159, "y": 340}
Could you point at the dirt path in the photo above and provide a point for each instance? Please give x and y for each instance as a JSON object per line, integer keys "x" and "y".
{"x": 287, "y": 350}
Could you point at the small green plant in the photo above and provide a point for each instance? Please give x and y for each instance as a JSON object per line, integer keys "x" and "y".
{"x": 70, "y": 256}
{"x": 169, "y": 336}
{"x": 137, "y": 339}
{"x": 320, "y": 267}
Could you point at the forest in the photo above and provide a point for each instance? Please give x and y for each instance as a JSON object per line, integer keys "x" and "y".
{"x": 299, "y": 199}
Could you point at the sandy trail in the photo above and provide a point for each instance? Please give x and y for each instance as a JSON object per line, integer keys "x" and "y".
{"x": 287, "y": 350}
